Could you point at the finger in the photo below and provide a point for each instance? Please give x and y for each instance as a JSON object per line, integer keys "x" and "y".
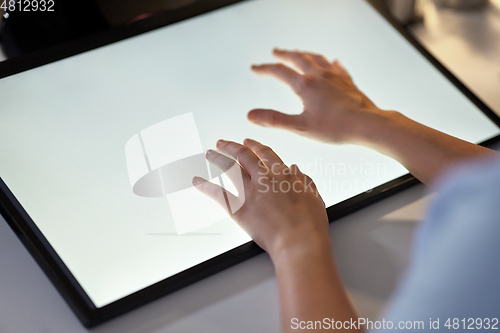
{"x": 265, "y": 153}
{"x": 238, "y": 177}
{"x": 246, "y": 157}
{"x": 229, "y": 154}
{"x": 299, "y": 59}
{"x": 319, "y": 60}
{"x": 305, "y": 179}
{"x": 223, "y": 162}
{"x": 339, "y": 69}
{"x": 282, "y": 73}
{"x": 214, "y": 192}
{"x": 229, "y": 166}
{"x": 271, "y": 118}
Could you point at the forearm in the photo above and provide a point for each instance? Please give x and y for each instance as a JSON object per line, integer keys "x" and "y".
{"x": 309, "y": 286}
{"x": 425, "y": 152}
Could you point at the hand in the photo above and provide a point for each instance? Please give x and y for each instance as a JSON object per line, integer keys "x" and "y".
{"x": 335, "y": 110}
{"x": 281, "y": 205}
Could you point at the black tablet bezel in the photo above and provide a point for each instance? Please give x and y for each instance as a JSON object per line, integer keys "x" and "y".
{"x": 51, "y": 263}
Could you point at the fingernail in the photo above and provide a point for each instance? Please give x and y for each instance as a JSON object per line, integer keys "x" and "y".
{"x": 253, "y": 115}
{"x": 197, "y": 181}
{"x": 209, "y": 152}
{"x": 221, "y": 142}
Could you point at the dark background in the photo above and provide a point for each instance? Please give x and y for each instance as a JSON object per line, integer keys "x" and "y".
{"x": 25, "y": 32}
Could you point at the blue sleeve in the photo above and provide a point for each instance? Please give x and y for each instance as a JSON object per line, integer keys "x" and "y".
{"x": 455, "y": 270}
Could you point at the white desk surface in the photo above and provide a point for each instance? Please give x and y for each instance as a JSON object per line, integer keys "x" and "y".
{"x": 371, "y": 246}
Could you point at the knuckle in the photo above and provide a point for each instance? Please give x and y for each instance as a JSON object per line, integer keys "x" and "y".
{"x": 266, "y": 149}
{"x": 300, "y": 56}
{"x": 280, "y": 67}
{"x": 272, "y": 119}
{"x": 327, "y": 74}
{"x": 300, "y": 127}
{"x": 242, "y": 151}
{"x": 307, "y": 82}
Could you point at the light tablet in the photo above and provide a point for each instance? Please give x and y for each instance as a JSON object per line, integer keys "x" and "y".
{"x": 91, "y": 146}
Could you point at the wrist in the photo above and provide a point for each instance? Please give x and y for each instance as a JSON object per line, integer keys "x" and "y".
{"x": 299, "y": 246}
{"x": 372, "y": 131}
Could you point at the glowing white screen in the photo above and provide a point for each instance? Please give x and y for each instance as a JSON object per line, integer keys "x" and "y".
{"x": 64, "y": 127}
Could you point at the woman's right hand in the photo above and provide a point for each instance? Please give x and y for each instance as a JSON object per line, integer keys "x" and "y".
{"x": 335, "y": 110}
{"x": 280, "y": 208}
{"x": 277, "y": 205}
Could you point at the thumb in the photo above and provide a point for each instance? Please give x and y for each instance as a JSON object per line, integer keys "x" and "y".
{"x": 271, "y": 118}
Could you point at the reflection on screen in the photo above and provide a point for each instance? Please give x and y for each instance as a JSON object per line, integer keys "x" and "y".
{"x": 84, "y": 141}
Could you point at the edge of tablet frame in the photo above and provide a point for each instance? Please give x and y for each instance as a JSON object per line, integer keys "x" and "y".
{"x": 51, "y": 263}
